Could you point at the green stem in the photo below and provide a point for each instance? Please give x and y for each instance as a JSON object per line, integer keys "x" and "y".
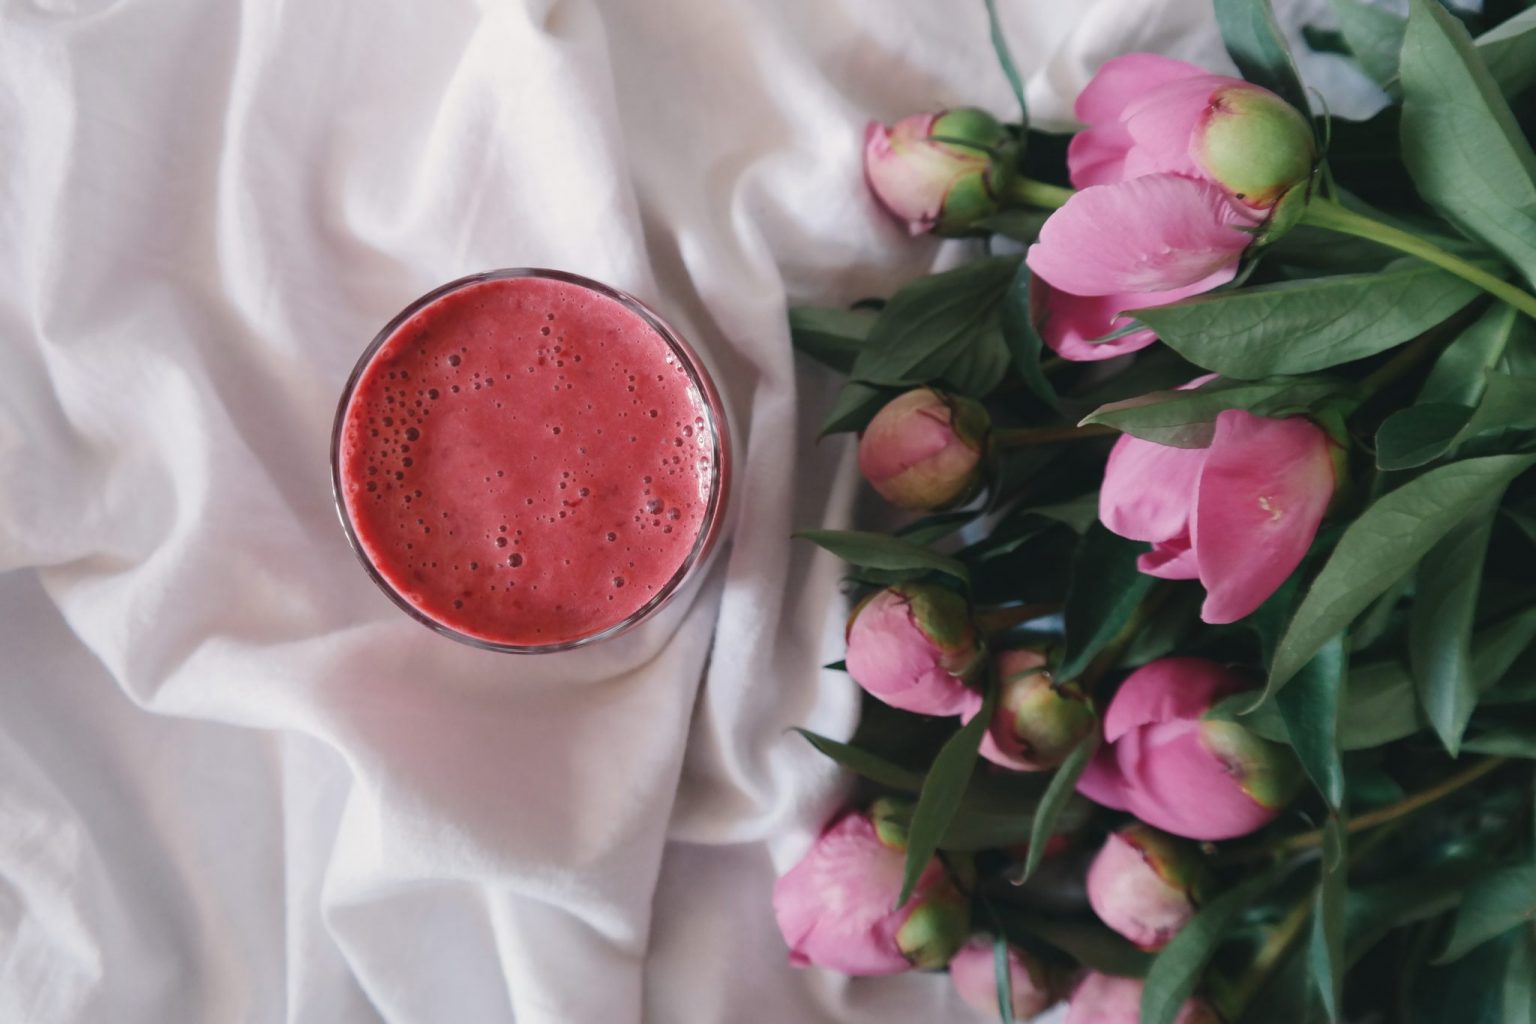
{"x": 1019, "y": 437}
{"x": 1371, "y": 819}
{"x": 1269, "y": 956}
{"x": 1023, "y": 191}
{"x": 1331, "y": 216}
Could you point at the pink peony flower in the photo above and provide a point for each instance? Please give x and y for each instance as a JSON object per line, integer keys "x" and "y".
{"x": 1238, "y": 516}
{"x": 914, "y": 646}
{"x": 933, "y": 185}
{"x": 834, "y": 908}
{"x": 1177, "y": 169}
{"x": 1105, "y": 999}
{"x": 1038, "y": 721}
{"x": 1173, "y": 769}
{"x": 1142, "y": 884}
{"x": 974, "y": 974}
{"x": 923, "y": 449}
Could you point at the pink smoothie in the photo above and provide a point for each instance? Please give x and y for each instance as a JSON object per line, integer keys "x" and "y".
{"x": 527, "y": 461}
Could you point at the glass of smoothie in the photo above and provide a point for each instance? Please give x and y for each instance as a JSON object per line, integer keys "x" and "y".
{"x": 529, "y": 461}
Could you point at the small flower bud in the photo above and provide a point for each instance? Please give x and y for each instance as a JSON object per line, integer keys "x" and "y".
{"x": 1143, "y": 884}
{"x": 923, "y": 450}
{"x": 933, "y": 171}
{"x": 1038, "y": 721}
{"x": 974, "y": 974}
{"x": 1254, "y": 144}
{"x": 915, "y": 647}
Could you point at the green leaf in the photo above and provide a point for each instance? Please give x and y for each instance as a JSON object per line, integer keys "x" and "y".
{"x": 1002, "y": 976}
{"x": 1469, "y": 991}
{"x": 1507, "y": 735}
{"x": 1005, "y": 59}
{"x": 1187, "y": 419}
{"x": 1422, "y": 433}
{"x": 1496, "y": 649}
{"x": 1057, "y": 795}
{"x": 1440, "y": 627}
{"x": 1106, "y": 587}
{"x": 1023, "y": 340}
{"x": 934, "y": 527}
{"x": 1088, "y": 942}
{"x": 1460, "y": 142}
{"x": 942, "y": 789}
{"x": 861, "y": 762}
{"x": 1310, "y": 707}
{"x": 1509, "y": 51}
{"x": 1520, "y": 982}
{"x": 882, "y": 551}
{"x": 1383, "y": 545}
{"x": 1459, "y": 375}
{"x": 1254, "y": 41}
{"x": 1302, "y": 326}
{"x": 943, "y": 329}
{"x": 834, "y": 337}
{"x": 1325, "y": 951}
{"x": 1375, "y": 35}
{"x": 1379, "y": 707}
{"x": 1177, "y": 969}
{"x": 856, "y": 405}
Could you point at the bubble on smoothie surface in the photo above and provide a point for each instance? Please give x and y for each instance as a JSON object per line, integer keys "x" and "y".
{"x": 556, "y": 522}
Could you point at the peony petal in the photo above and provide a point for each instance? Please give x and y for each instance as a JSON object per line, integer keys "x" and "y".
{"x": 1166, "y": 690}
{"x": 1162, "y": 125}
{"x": 1261, "y": 497}
{"x": 1097, "y": 155}
{"x": 1175, "y": 783}
{"x": 1149, "y": 234}
{"x": 1102, "y": 781}
{"x": 889, "y": 656}
{"x": 1128, "y": 894}
{"x": 1121, "y": 81}
{"x": 834, "y": 907}
{"x": 1069, "y": 322}
{"x": 1171, "y": 560}
{"x": 1149, "y": 489}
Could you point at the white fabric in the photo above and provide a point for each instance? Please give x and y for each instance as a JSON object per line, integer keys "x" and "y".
{"x": 235, "y": 783}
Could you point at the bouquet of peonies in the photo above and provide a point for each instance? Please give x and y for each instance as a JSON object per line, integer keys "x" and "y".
{"x": 1200, "y": 677}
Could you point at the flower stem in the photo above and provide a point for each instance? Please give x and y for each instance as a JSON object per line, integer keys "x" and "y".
{"x": 1331, "y": 216}
{"x": 1024, "y": 191}
{"x": 1268, "y": 957}
{"x": 1019, "y": 437}
{"x": 1371, "y": 819}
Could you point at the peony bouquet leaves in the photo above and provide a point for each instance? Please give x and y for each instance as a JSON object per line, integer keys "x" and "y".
{"x": 1198, "y": 637}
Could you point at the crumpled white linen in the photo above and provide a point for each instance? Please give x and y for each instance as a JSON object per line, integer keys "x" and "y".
{"x": 235, "y": 783}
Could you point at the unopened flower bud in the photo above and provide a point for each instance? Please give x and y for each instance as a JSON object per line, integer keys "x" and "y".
{"x": 1105, "y": 999}
{"x": 923, "y": 449}
{"x": 934, "y": 171}
{"x": 1254, "y": 144}
{"x": 1038, "y": 721}
{"x": 915, "y": 647}
{"x": 835, "y": 907}
{"x": 1143, "y": 884}
{"x": 974, "y": 974}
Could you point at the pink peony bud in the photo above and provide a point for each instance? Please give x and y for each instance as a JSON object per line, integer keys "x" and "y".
{"x": 974, "y": 973}
{"x": 1238, "y": 516}
{"x": 1038, "y": 721}
{"x": 1178, "y": 168}
{"x": 923, "y": 450}
{"x": 834, "y": 908}
{"x": 1167, "y": 765}
{"x": 1105, "y": 999}
{"x": 1142, "y": 884}
{"x": 932, "y": 185}
{"x": 914, "y": 646}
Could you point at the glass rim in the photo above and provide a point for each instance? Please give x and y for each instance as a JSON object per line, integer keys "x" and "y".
{"x": 719, "y": 475}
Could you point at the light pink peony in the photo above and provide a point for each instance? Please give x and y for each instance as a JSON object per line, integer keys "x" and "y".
{"x": 923, "y": 449}
{"x": 834, "y": 908}
{"x": 1038, "y": 721}
{"x": 1238, "y": 516}
{"x": 1173, "y": 769}
{"x": 1142, "y": 884}
{"x": 974, "y": 973}
{"x": 914, "y": 646}
{"x": 1178, "y": 167}
{"x": 932, "y": 185}
{"x": 1105, "y": 999}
